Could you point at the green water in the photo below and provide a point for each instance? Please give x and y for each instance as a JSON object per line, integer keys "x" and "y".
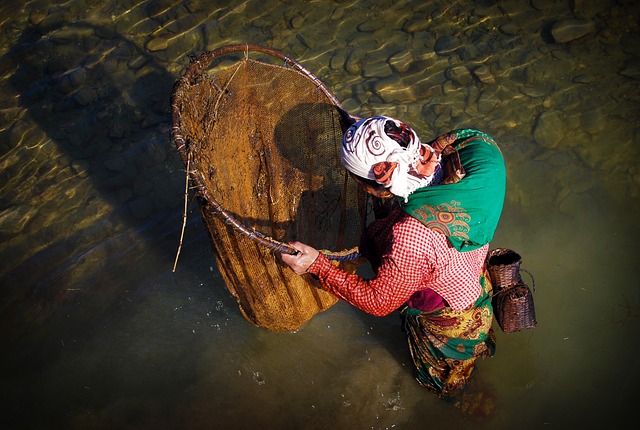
{"x": 98, "y": 332}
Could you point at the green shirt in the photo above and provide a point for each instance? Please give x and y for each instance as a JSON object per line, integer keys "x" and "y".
{"x": 467, "y": 211}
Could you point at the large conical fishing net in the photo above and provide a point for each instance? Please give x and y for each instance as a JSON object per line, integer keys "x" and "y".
{"x": 261, "y": 137}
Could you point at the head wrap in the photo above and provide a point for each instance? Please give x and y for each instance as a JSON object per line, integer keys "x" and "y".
{"x": 379, "y": 141}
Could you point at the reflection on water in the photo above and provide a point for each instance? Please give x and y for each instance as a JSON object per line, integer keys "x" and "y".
{"x": 97, "y": 332}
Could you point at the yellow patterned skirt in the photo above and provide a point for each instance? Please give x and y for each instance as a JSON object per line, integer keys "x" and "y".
{"x": 445, "y": 343}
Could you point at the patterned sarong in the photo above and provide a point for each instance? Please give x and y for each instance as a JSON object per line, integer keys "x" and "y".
{"x": 444, "y": 343}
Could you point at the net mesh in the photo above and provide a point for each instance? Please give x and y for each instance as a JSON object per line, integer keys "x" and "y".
{"x": 263, "y": 142}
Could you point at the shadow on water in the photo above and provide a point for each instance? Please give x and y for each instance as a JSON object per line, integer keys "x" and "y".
{"x": 104, "y": 103}
{"x": 319, "y": 210}
{"x": 323, "y": 225}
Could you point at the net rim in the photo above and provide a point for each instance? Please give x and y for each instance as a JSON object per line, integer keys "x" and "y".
{"x": 196, "y": 68}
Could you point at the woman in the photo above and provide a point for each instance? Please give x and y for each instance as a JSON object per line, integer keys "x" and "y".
{"x": 428, "y": 252}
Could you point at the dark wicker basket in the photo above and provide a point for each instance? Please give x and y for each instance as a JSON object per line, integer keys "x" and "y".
{"x": 514, "y": 309}
{"x": 512, "y": 299}
{"x": 504, "y": 268}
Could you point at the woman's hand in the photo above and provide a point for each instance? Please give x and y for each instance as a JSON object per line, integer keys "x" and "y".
{"x": 300, "y": 262}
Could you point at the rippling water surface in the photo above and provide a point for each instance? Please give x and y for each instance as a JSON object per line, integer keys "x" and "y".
{"x": 98, "y": 332}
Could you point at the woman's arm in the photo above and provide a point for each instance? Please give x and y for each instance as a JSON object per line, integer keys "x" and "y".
{"x": 399, "y": 275}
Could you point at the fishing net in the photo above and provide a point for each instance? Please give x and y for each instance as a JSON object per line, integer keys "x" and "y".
{"x": 260, "y": 137}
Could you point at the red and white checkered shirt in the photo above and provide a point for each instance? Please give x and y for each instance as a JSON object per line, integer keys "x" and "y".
{"x": 408, "y": 257}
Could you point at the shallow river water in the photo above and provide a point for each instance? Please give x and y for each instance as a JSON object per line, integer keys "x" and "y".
{"x": 97, "y": 331}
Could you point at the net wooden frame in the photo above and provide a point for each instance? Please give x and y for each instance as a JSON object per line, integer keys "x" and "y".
{"x": 244, "y": 216}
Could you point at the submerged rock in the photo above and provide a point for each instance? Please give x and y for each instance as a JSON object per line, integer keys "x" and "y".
{"x": 159, "y": 43}
{"x": 592, "y": 121}
{"x": 549, "y": 130}
{"x": 401, "y": 61}
{"x": 14, "y": 219}
{"x": 632, "y": 72}
{"x": 459, "y": 75}
{"x": 483, "y": 74}
{"x": 571, "y": 29}
{"x": 446, "y": 45}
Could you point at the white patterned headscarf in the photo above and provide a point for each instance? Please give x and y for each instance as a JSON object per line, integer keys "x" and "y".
{"x": 382, "y": 139}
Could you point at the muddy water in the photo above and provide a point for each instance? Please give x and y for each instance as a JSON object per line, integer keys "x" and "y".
{"x": 98, "y": 332}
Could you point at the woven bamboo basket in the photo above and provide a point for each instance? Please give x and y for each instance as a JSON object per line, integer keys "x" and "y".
{"x": 504, "y": 268}
{"x": 514, "y": 309}
{"x": 260, "y": 136}
{"x": 513, "y": 304}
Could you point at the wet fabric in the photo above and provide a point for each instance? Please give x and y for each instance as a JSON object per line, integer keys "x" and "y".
{"x": 466, "y": 207}
{"x": 445, "y": 344}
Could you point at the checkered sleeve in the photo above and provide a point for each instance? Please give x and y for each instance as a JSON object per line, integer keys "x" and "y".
{"x": 399, "y": 275}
